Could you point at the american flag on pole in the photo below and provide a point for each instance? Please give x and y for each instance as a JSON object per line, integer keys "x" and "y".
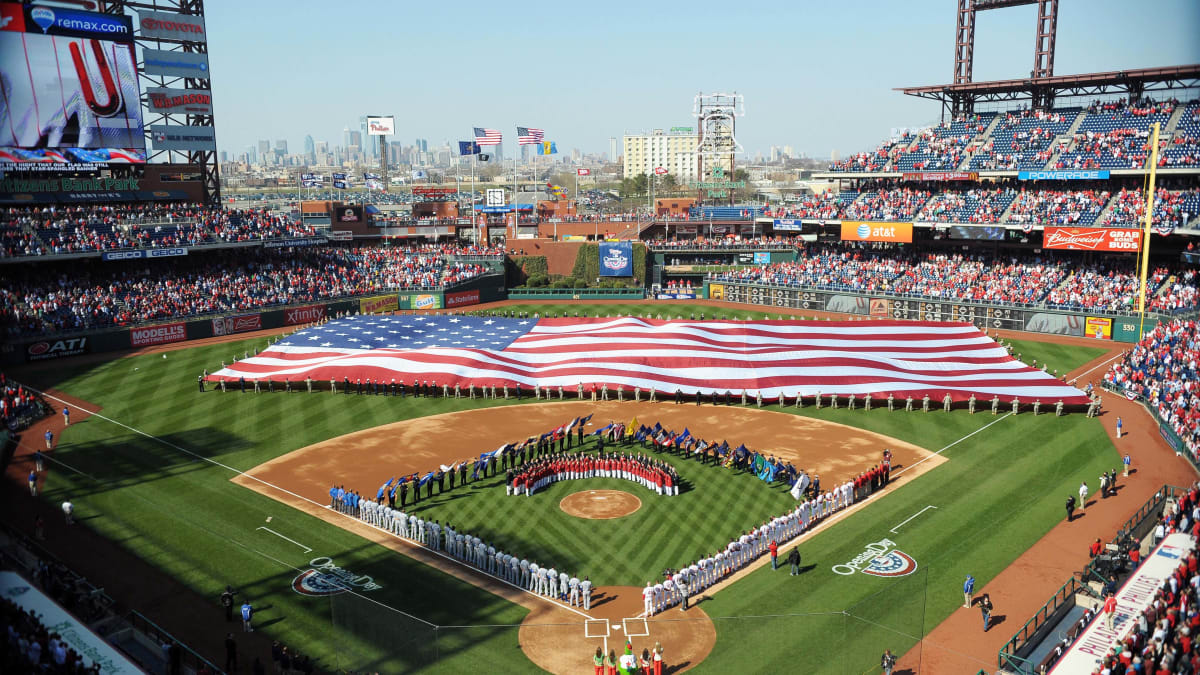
{"x": 904, "y": 358}
{"x": 530, "y": 136}
{"x": 487, "y": 136}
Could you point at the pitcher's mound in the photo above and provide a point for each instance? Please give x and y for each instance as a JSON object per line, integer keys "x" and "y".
{"x": 600, "y": 504}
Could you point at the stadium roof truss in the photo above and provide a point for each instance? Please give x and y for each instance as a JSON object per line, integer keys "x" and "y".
{"x": 206, "y": 160}
{"x": 1042, "y": 86}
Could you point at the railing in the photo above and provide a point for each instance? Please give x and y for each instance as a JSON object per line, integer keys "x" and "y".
{"x": 190, "y": 658}
{"x": 717, "y": 249}
{"x": 1063, "y": 597}
{"x": 272, "y": 242}
{"x": 575, "y": 293}
{"x": 1164, "y": 429}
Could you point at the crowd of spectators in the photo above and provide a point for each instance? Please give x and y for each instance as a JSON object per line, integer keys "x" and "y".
{"x": 1170, "y": 206}
{"x": 30, "y": 647}
{"x": 1058, "y": 207}
{"x": 96, "y": 296}
{"x": 862, "y": 268}
{"x": 1162, "y": 370}
{"x": 961, "y": 277}
{"x": 895, "y": 204}
{"x": 977, "y": 205}
{"x": 51, "y": 230}
{"x": 19, "y": 407}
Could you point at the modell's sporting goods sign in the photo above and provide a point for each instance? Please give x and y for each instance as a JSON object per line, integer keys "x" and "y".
{"x": 1113, "y": 239}
{"x": 157, "y": 335}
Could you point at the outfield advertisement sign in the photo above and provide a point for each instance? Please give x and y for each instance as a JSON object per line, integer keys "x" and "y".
{"x": 239, "y": 323}
{"x": 1108, "y": 239}
{"x": 289, "y": 243}
{"x": 1099, "y": 327}
{"x": 381, "y": 303}
{"x": 675, "y": 296}
{"x": 787, "y": 224}
{"x": 172, "y": 26}
{"x": 426, "y": 301}
{"x": 175, "y": 64}
{"x": 166, "y": 101}
{"x": 859, "y": 231}
{"x": 301, "y": 315}
{"x": 616, "y": 258}
{"x": 77, "y": 636}
{"x": 158, "y": 335}
{"x": 183, "y": 138}
{"x": 46, "y": 350}
{"x": 462, "y": 298}
{"x": 1133, "y": 598}
{"x": 1063, "y": 175}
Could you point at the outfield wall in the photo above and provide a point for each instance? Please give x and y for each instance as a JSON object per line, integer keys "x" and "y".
{"x": 489, "y": 288}
{"x": 1032, "y": 319}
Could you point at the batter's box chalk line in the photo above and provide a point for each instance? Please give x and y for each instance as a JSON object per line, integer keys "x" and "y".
{"x": 636, "y": 623}
{"x": 600, "y": 626}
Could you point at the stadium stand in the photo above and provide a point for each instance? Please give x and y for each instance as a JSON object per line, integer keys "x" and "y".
{"x": 1162, "y": 370}
{"x": 1128, "y": 209}
{"x": 1022, "y": 140}
{"x": 898, "y": 204}
{"x": 962, "y": 278}
{"x": 1057, "y": 207}
{"x": 96, "y": 297}
{"x": 977, "y": 205}
{"x": 1114, "y": 135}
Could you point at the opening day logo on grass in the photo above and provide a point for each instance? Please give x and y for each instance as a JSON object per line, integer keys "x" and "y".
{"x": 880, "y": 559}
{"x": 324, "y": 578}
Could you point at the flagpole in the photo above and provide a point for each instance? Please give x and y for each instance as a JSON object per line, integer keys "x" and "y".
{"x": 474, "y": 223}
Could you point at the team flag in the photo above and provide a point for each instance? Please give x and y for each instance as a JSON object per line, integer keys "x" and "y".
{"x": 530, "y": 136}
{"x": 632, "y": 427}
{"x": 583, "y": 172}
{"x": 468, "y": 148}
{"x": 341, "y": 184}
{"x": 771, "y": 357}
{"x": 384, "y": 488}
{"x": 487, "y": 136}
{"x": 547, "y": 148}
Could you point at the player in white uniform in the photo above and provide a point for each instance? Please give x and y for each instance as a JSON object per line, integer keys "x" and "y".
{"x": 534, "y": 574}
{"x": 573, "y": 584}
{"x": 648, "y": 607}
{"x": 585, "y": 588}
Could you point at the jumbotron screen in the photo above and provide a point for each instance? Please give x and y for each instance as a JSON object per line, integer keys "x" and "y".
{"x": 70, "y": 88}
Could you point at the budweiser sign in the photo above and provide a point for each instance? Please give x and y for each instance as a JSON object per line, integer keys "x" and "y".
{"x": 299, "y": 315}
{"x": 1113, "y": 239}
{"x": 157, "y": 335}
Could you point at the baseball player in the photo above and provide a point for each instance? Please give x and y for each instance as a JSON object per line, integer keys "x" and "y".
{"x": 585, "y": 588}
{"x": 1083, "y": 493}
{"x": 648, "y": 599}
{"x": 525, "y": 572}
{"x": 573, "y": 597}
{"x": 564, "y": 581}
{"x": 552, "y": 582}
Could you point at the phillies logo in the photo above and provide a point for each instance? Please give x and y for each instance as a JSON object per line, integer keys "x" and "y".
{"x": 325, "y": 578}
{"x": 879, "y": 559}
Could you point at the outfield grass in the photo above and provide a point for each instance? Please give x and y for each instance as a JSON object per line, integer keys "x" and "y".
{"x": 1063, "y": 358}
{"x": 1001, "y": 492}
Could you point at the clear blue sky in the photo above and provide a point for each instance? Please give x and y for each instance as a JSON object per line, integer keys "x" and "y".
{"x": 816, "y": 75}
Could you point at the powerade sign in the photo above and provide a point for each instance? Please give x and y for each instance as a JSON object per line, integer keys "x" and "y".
{"x": 174, "y": 252}
{"x": 77, "y": 23}
{"x": 54, "y": 349}
{"x": 1063, "y": 175}
{"x": 616, "y": 258}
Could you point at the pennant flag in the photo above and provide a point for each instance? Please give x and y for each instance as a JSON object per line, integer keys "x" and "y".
{"x": 487, "y": 136}
{"x": 340, "y": 184}
{"x": 602, "y": 430}
{"x": 632, "y": 427}
{"x": 426, "y": 478}
{"x": 547, "y": 148}
{"x": 768, "y": 357}
{"x": 530, "y": 136}
{"x": 683, "y": 437}
{"x": 448, "y": 469}
{"x": 339, "y": 176}
{"x": 370, "y": 176}
{"x": 468, "y": 148}
{"x": 384, "y": 488}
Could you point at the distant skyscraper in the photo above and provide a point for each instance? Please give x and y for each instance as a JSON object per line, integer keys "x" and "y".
{"x": 309, "y": 146}
{"x": 281, "y": 147}
{"x": 612, "y": 148}
{"x": 224, "y": 156}
{"x": 264, "y": 149}
{"x": 346, "y": 139}
{"x": 356, "y": 138}
{"x": 251, "y": 155}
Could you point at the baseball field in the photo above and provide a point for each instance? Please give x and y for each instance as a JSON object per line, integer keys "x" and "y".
{"x": 226, "y": 488}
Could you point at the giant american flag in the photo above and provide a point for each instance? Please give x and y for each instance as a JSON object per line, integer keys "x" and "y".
{"x": 772, "y": 357}
{"x": 487, "y": 136}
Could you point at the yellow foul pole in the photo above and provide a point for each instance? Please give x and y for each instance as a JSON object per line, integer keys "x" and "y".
{"x": 1152, "y": 165}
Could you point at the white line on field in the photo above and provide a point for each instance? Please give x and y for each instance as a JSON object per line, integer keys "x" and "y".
{"x": 952, "y": 444}
{"x": 306, "y": 549}
{"x": 893, "y": 530}
{"x": 314, "y": 503}
{"x": 1099, "y": 365}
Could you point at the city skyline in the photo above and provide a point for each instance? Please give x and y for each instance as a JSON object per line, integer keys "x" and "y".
{"x": 619, "y": 82}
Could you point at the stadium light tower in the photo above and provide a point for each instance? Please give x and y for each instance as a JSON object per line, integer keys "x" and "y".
{"x": 1043, "y": 51}
{"x": 716, "y": 119}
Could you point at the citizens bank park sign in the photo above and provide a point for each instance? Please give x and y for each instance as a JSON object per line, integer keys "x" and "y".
{"x": 880, "y": 559}
{"x": 323, "y": 578}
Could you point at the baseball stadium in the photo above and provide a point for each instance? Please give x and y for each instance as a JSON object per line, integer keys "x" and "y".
{"x": 930, "y": 407}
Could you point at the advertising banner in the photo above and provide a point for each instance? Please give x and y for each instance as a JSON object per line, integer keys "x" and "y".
{"x": 1113, "y": 239}
{"x": 137, "y": 254}
{"x": 686, "y": 229}
{"x": 716, "y": 291}
{"x": 302, "y": 315}
{"x": 786, "y": 225}
{"x": 157, "y": 335}
{"x": 859, "y": 231}
{"x": 183, "y": 138}
{"x": 66, "y": 22}
{"x": 462, "y": 298}
{"x": 1098, "y": 327}
{"x": 172, "y": 26}
{"x": 1095, "y": 174}
{"x": 616, "y": 258}
{"x": 46, "y": 350}
{"x": 175, "y": 64}
{"x": 237, "y": 324}
{"x": 382, "y": 303}
{"x": 381, "y": 126}
{"x": 675, "y": 296}
{"x": 762, "y": 257}
{"x": 426, "y": 301}
{"x": 340, "y": 235}
{"x": 942, "y": 175}
{"x": 166, "y": 101}
{"x": 583, "y": 172}
{"x": 879, "y": 307}
{"x": 987, "y": 233}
